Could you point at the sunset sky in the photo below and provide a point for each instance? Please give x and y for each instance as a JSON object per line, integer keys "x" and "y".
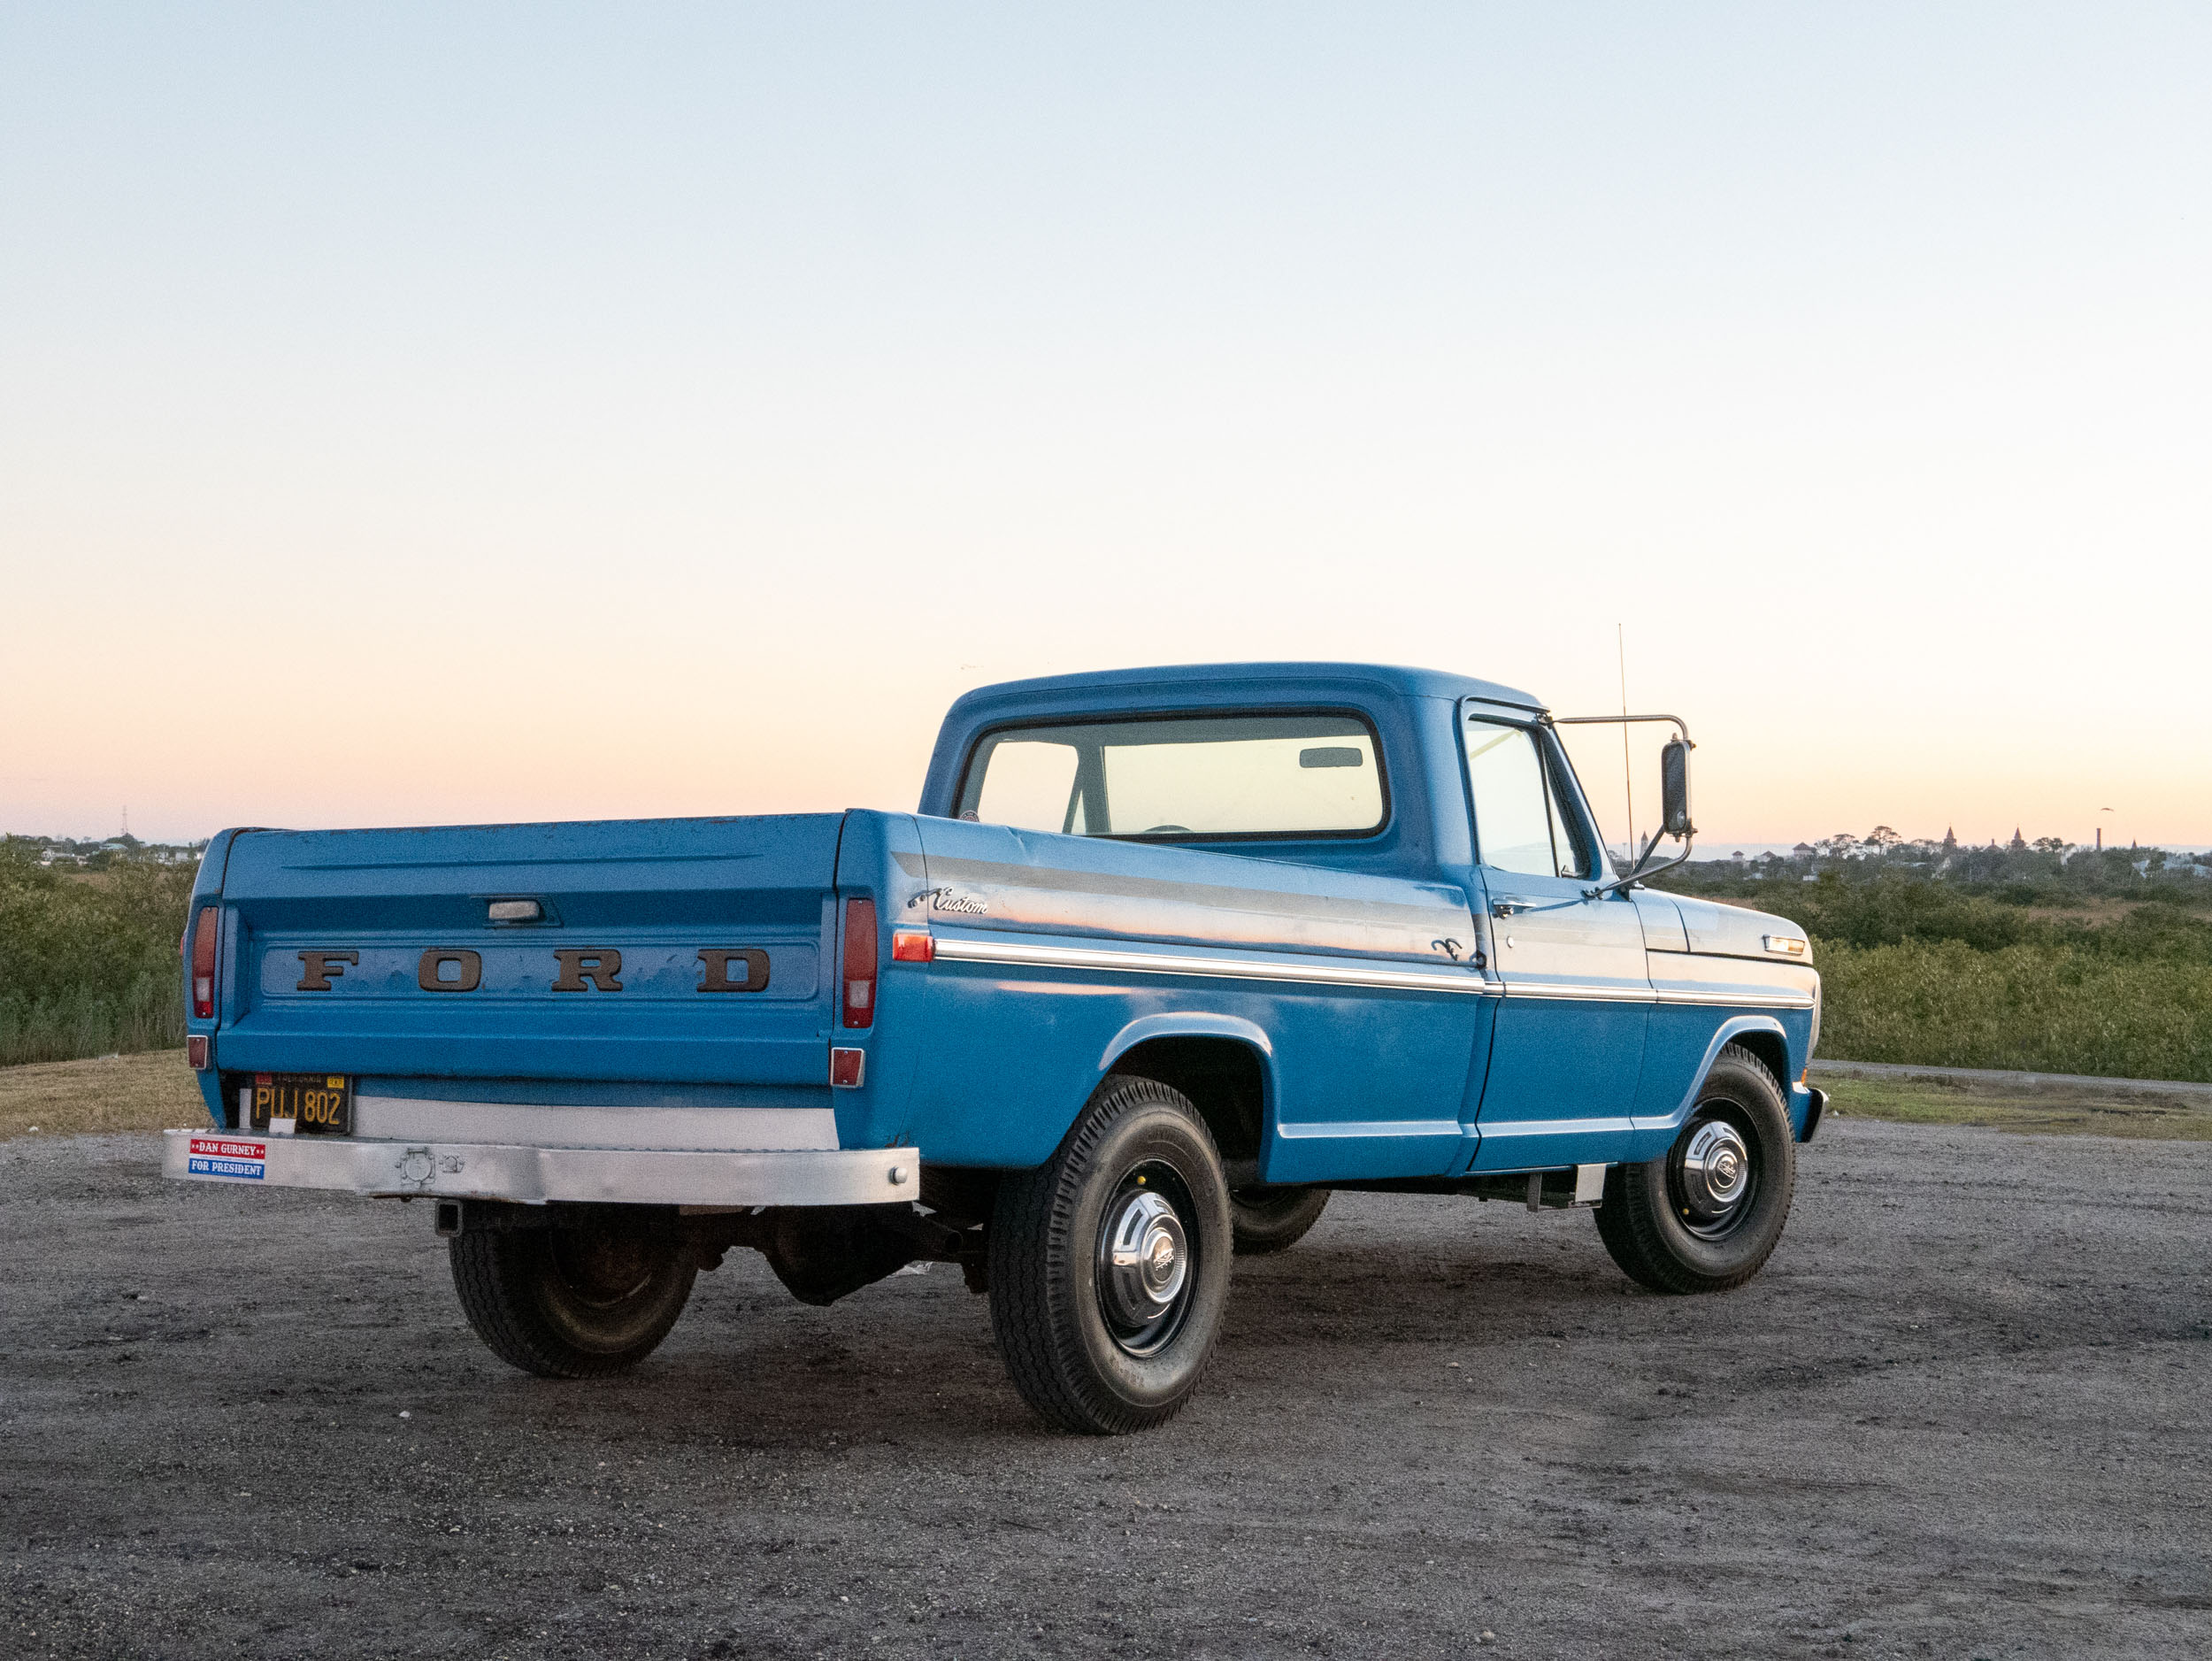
{"x": 445, "y": 413}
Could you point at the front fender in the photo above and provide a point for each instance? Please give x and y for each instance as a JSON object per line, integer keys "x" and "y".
{"x": 1653, "y": 1135}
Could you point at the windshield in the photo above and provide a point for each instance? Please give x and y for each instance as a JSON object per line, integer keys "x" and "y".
{"x": 1224, "y": 775}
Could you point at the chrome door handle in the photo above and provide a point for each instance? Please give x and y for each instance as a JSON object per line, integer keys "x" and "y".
{"x": 1507, "y": 908}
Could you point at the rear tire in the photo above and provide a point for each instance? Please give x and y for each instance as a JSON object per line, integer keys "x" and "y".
{"x": 581, "y": 1301}
{"x": 1109, "y": 1263}
{"x": 1273, "y": 1220}
{"x": 1706, "y": 1215}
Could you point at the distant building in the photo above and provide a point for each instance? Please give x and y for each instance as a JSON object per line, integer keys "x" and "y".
{"x": 1803, "y": 851}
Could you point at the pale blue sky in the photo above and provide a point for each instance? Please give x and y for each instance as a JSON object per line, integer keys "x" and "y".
{"x": 429, "y": 413}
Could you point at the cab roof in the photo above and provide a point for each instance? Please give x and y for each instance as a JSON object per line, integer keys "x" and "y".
{"x": 1202, "y": 684}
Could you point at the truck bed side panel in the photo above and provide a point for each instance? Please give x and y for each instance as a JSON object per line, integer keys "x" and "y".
{"x": 1366, "y": 1079}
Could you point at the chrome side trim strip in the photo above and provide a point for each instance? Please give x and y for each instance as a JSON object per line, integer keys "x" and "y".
{"x": 1776, "y": 998}
{"x": 1579, "y": 993}
{"x": 1299, "y": 971}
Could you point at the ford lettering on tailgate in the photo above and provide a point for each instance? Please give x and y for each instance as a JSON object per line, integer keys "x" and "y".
{"x": 656, "y": 970}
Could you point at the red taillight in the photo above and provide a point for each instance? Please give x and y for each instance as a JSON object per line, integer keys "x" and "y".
{"x": 859, "y": 979}
{"x": 912, "y": 945}
{"x": 203, "y": 933}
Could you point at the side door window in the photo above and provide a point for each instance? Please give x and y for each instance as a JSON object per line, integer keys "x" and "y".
{"x": 1521, "y": 825}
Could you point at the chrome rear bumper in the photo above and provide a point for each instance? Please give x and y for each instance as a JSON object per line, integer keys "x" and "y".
{"x": 531, "y": 1175}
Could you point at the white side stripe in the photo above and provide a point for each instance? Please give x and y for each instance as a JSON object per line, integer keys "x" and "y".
{"x": 1338, "y": 972}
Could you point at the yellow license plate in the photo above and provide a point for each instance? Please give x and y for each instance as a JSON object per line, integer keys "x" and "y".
{"x": 317, "y": 1104}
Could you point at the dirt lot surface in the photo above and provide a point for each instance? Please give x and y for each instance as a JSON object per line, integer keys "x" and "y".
{"x": 1962, "y": 1413}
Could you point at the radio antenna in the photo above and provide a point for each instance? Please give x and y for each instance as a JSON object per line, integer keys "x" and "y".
{"x": 1628, "y": 786}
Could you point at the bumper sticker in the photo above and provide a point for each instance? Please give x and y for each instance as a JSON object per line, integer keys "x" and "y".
{"x": 227, "y": 1157}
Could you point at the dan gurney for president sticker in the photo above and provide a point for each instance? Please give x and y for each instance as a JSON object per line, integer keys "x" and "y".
{"x": 227, "y": 1157}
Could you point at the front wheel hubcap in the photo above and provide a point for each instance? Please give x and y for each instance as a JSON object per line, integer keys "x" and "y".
{"x": 1714, "y": 1177}
{"x": 1143, "y": 1269}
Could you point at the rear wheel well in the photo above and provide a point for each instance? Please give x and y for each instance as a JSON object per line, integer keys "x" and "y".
{"x": 1221, "y": 1077}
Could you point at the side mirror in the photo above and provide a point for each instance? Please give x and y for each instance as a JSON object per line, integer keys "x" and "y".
{"x": 1674, "y": 788}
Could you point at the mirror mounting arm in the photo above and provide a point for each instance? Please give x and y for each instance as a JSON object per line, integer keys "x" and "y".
{"x": 1638, "y": 870}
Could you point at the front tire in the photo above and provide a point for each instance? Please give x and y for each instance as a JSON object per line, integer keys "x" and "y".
{"x": 1264, "y": 1220}
{"x": 579, "y": 1301}
{"x": 1705, "y": 1216}
{"x": 1109, "y": 1263}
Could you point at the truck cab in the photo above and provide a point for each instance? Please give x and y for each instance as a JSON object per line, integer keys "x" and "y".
{"x": 1164, "y": 958}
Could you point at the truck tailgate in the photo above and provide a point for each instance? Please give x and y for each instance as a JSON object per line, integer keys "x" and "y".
{"x": 679, "y": 951}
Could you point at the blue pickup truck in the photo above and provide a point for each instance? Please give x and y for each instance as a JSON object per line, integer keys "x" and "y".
{"x": 1164, "y": 957}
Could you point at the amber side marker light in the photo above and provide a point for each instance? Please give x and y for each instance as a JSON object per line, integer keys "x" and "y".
{"x": 912, "y": 945}
{"x": 203, "y": 933}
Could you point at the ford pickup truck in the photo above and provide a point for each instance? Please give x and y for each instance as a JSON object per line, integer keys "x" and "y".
{"x": 1164, "y": 957}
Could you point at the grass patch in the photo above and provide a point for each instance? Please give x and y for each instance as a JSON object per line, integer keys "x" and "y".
{"x": 2046, "y": 1110}
{"x": 154, "y": 1091}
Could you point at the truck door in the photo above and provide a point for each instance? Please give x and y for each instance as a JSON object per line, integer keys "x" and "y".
{"x": 1569, "y": 1038}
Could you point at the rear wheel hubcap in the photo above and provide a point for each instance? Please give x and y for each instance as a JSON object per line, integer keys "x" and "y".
{"x": 1144, "y": 1264}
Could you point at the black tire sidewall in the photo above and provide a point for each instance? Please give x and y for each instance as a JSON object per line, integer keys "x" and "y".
{"x": 515, "y": 1296}
{"x": 635, "y": 1325}
{"x": 1045, "y": 1235}
{"x": 1150, "y": 1132}
{"x": 1650, "y": 1227}
{"x": 1261, "y": 1220}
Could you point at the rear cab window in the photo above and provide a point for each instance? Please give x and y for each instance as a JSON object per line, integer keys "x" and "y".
{"x": 1241, "y": 777}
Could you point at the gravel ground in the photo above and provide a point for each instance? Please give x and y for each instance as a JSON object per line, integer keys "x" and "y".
{"x": 1962, "y": 1413}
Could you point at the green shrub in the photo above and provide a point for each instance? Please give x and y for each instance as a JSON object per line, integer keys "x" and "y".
{"x": 88, "y": 963}
{"x": 2136, "y": 1006}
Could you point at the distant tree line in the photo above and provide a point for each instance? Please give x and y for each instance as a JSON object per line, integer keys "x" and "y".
{"x": 2048, "y": 871}
{"x": 89, "y": 854}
